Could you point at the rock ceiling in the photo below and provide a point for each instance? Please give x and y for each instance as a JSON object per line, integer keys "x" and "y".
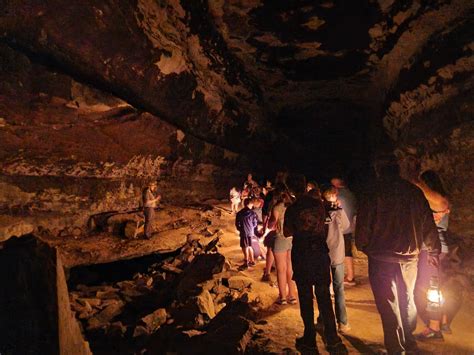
{"x": 227, "y": 69}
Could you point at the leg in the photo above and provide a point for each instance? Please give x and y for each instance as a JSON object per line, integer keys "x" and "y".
{"x": 149, "y": 217}
{"x": 251, "y": 257}
{"x": 405, "y": 288}
{"x": 339, "y": 297}
{"x": 326, "y": 311}
{"x": 246, "y": 259}
{"x": 422, "y": 284}
{"x": 382, "y": 276}
{"x": 281, "y": 265}
{"x": 269, "y": 261}
{"x": 305, "y": 295}
{"x": 349, "y": 260}
{"x": 289, "y": 277}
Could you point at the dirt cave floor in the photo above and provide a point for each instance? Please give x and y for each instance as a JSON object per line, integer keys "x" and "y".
{"x": 284, "y": 322}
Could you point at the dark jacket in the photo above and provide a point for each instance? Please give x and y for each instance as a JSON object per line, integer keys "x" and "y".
{"x": 304, "y": 220}
{"x": 246, "y": 222}
{"x": 394, "y": 220}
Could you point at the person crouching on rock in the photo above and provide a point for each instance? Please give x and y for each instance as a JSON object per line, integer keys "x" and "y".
{"x": 150, "y": 200}
{"x": 246, "y": 223}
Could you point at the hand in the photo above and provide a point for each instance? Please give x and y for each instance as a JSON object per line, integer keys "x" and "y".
{"x": 433, "y": 260}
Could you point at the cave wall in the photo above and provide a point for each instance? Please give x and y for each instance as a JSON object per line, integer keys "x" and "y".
{"x": 429, "y": 116}
{"x": 70, "y": 150}
{"x": 112, "y": 93}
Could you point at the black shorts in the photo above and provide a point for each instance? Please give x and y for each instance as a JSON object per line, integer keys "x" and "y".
{"x": 348, "y": 244}
{"x": 245, "y": 241}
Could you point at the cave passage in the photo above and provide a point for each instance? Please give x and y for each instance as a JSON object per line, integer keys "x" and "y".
{"x": 101, "y": 101}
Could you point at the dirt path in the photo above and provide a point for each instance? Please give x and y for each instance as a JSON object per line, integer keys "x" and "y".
{"x": 283, "y": 323}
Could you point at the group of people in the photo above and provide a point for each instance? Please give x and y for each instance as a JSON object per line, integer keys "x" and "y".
{"x": 399, "y": 223}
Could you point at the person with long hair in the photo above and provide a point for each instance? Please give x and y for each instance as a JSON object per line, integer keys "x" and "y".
{"x": 282, "y": 250}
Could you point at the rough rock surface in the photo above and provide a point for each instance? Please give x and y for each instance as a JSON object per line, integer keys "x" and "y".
{"x": 189, "y": 90}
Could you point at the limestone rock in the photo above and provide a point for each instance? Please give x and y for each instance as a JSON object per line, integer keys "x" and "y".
{"x": 202, "y": 268}
{"x": 205, "y": 304}
{"x": 154, "y": 320}
{"x": 239, "y": 282}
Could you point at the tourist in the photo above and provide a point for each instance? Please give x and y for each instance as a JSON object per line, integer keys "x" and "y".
{"x": 432, "y": 187}
{"x": 246, "y": 224}
{"x": 349, "y": 205}
{"x": 150, "y": 200}
{"x": 258, "y": 204}
{"x": 313, "y": 186}
{"x": 235, "y": 200}
{"x": 337, "y": 222}
{"x": 393, "y": 221}
{"x": 250, "y": 183}
{"x": 282, "y": 251}
{"x": 304, "y": 221}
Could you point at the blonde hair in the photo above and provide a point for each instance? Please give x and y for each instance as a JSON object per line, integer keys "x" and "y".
{"x": 329, "y": 192}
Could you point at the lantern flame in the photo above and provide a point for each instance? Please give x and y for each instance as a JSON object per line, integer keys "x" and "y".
{"x": 435, "y": 296}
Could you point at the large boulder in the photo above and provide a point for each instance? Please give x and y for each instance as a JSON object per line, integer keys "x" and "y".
{"x": 202, "y": 268}
{"x": 35, "y": 312}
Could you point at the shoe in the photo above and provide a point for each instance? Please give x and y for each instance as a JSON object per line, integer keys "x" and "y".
{"x": 243, "y": 267}
{"x": 337, "y": 348}
{"x": 281, "y": 302}
{"x": 266, "y": 278}
{"x": 429, "y": 334}
{"x": 343, "y": 328}
{"x": 306, "y": 343}
{"x": 292, "y": 300}
{"x": 446, "y": 329}
{"x": 251, "y": 263}
{"x": 348, "y": 282}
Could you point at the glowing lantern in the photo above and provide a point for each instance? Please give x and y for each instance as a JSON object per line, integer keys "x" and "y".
{"x": 434, "y": 296}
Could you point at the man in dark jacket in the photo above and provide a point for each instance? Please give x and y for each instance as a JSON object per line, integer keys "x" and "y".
{"x": 304, "y": 220}
{"x": 393, "y": 221}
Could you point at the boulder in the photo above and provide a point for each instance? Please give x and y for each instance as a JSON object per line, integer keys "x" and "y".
{"x": 102, "y": 319}
{"x": 239, "y": 282}
{"x": 154, "y": 320}
{"x": 202, "y": 268}
{"x": 205, "y": 304}
{"x": 133, "y": 229}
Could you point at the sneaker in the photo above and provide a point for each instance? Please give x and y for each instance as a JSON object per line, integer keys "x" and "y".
{"x": 281, "y": 302}
{"x": 292, "y": 300}
{"x": 343, "y": 328}
{"x": 429, "y": 334}
{"x": 251, "y": 263}
{"x": 306, "y": 343}
{"x": 446, "y": 329}
{"x": 348, "y": 282}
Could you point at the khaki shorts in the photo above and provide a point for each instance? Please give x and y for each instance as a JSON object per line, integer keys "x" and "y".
{"x": 282, "y": 244}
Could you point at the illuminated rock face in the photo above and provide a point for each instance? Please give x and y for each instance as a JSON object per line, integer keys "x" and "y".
{"x": 122, "y": 89}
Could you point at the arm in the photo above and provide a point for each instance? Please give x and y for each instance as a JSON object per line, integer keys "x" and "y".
{"x": 343, "y": 221}
{"x": 274, "y": 216}
{"x": 437, "y": 201}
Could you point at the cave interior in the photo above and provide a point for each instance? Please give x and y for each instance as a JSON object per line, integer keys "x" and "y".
{"x": 99, "y": 97}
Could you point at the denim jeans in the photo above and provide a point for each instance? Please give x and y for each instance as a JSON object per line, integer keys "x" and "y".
{"x": 337, "y": 272}
{"x": 339, "y": 297}
{"x": 393, "y": 285}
